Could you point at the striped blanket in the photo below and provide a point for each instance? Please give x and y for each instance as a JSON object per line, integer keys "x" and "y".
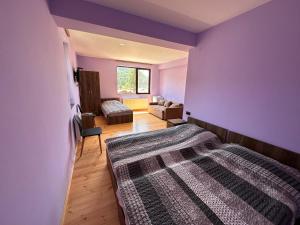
{"x": 184, "y": 175}
{"x": 114, "y": 108}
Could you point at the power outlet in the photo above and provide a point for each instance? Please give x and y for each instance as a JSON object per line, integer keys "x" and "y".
{"x": 188, "y": 113}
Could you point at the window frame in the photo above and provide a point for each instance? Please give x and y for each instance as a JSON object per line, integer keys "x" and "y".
{"x": 136, "y": 79}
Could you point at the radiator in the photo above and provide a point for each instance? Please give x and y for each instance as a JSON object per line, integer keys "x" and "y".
{"x": 136, "y": 103}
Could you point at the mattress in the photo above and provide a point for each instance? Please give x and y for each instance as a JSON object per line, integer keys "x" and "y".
{"x": 185, "y": 175}
{"x": 114, "y": 108}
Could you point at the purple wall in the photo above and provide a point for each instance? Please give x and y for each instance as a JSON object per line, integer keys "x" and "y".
{"x": 172, "y": 77}
{"x": 36, "y": 138}
{"x": 108, "y": 74}
{"x": 244, "y": 74}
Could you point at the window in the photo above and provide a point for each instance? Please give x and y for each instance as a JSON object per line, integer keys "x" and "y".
{"x": 126, "y": 80}
{"x": 132, "y": 80}
{"x": 143, "y": 81}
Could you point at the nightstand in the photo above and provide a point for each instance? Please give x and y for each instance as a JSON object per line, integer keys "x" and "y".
{"x": 175, "y": 122}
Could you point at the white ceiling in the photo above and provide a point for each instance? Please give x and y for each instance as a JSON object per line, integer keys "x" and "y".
{"x": 100, "y": 46}
{"x": 191, "y": 15}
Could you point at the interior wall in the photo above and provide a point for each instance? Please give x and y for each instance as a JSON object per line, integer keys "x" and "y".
{"x": 244, "y": 74}
{"x": 173, "y": 80}
{"x": 108, "y": 74}
{"x": 37, "y": 145}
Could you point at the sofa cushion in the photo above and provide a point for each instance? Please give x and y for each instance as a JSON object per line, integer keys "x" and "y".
{"x": 167, "y": 103}
{"x": 157, "y": 110}
{"x": 158, "y": 107}
{"x": 161, "y": 102}
{"x": 175, "y": 105}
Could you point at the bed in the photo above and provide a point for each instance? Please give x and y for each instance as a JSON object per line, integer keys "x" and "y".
{"x": 115, "y": 112}
{"x": 188, "y": 175}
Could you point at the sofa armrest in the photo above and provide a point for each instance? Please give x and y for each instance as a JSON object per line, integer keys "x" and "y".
{"x": 153, "y": 103}
{"x": 173, "y": 113}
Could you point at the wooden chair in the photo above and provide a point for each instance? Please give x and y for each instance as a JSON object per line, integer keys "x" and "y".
{"x": 87, "y": 133}
{"x": 87, "y": 119}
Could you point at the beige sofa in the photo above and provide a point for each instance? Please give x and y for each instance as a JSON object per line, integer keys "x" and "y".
{"x": 165, "y": 109}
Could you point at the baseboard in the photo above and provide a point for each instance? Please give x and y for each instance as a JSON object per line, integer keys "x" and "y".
{"x": 62, "y": 220}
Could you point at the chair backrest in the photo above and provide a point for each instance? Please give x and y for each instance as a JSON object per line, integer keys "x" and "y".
{"x": 77, "y": 120}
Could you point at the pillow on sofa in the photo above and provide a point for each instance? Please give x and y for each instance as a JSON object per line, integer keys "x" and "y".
{"x": 161, "y": 102}
{"x": 167, "y": 103}
{"x": 175, "y": 105}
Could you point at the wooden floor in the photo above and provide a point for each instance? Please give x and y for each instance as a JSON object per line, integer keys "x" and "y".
{"x": 91, "y": 199}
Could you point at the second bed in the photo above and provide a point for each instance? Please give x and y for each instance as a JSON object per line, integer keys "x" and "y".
{"x": 115, "y": 112}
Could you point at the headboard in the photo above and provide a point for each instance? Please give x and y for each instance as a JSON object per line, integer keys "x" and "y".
{"x": 219, "y": 131}
{"x": 280, "y": 154}
{"x": 109, "y": 99}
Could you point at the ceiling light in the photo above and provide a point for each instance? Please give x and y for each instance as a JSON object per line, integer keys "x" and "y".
{"x": 122, "y": 44}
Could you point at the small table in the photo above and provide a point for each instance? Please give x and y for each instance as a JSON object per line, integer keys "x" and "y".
{"x": 175, "y": 122}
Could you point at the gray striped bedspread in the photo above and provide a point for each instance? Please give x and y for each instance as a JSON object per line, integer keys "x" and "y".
{"x": 114, "y": 108}
{"x": 185, "y": 175}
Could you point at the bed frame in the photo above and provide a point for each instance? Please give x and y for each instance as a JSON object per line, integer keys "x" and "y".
{"x": 115, "y": 187}
{"x": 120, "y": 118}
{"x": 110, "y": 99}
{"x": 282, "y": 155}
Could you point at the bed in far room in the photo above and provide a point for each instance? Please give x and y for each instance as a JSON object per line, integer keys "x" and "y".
{"x": 115, "y": 112}
{"x": 187, "y": 175}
